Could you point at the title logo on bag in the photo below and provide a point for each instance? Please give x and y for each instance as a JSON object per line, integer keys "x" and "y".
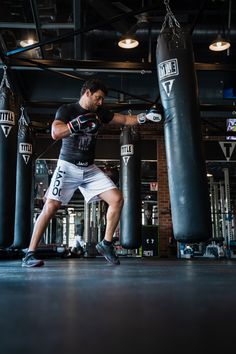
{"x": 168, "y": 68}
{"x": 167, "y": 85}
{"x": 26, "y": 150}
{"x": 126, "y": 151}
{"x": 7, "y": 120}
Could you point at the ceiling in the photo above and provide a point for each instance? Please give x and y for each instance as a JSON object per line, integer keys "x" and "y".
{"x": 77, "y": 40}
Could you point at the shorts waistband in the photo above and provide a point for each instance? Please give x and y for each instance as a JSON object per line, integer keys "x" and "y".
{"x": 79, "y": 163}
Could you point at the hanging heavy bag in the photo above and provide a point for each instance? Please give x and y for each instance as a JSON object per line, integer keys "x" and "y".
{"x": 24, "y": 179}
{"x": 187, "y": 178}
{"x": 130, "y": 179}
{"x": 8, "y": 145}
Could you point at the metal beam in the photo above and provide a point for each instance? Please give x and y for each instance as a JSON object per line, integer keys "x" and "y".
{"x": 29, "y": 25}
{"x": 218, "y": 107}
{"x": 60, "y": 73}
{"x": 37, "y": 22}
{"x": 215, "y": 67}
{"x": 141, "y": 106}
{"x": 77, "y": 26}
{"x": 114, "y": 66}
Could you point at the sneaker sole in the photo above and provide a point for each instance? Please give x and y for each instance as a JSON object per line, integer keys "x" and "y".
{"x": 100, "y": 250}
{"x": 39, "y": 264}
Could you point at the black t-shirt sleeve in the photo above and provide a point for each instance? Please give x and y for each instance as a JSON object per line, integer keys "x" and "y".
{"x": 63, "y": 114}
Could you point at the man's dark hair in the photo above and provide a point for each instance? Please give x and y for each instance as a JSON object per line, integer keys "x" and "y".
{"x": 94, "y": 85}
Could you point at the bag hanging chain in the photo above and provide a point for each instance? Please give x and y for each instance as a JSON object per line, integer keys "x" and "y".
{"x": 170, "y": 18}
{"x": 22, "y": 120}
{"x": 4, "y": 78}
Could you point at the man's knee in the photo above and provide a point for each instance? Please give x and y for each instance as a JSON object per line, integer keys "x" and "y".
{"x": 113, "y": 198}
{"x": 118, "y": 200}
{"x": 51, "y": 206}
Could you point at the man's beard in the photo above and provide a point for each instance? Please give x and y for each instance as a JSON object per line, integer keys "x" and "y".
{"x": 92, "y": 108}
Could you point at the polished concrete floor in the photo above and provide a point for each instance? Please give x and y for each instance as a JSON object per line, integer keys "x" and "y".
{"x": 142, "y": 306}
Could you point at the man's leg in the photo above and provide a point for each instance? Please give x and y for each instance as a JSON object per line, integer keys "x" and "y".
{"x": 114, "y": 199}
{"x": 49, "y": 210}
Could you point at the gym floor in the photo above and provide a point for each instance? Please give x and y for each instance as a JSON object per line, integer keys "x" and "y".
{"x": 142, "y": 306}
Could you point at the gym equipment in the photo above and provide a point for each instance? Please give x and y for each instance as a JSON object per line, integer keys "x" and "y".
{"x": 228, "y": 219}
{"x": 189, "y": 196}
{"x": 222, "y": 216}
{"x": 24, "y": 178}
{"x": 130, "y": 179}
{"x": 8, "y": 147}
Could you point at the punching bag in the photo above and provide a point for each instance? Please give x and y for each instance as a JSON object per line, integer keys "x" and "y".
{"x": 8, "y": 147}
{"x": 189, "y": 197}
{"x": 24, "y": 179}
{"x": 130, "y": 180}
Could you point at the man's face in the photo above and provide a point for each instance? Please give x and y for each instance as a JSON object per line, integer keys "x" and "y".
{"x": 94, "y": 100}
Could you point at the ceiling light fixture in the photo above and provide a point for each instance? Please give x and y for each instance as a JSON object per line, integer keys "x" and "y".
{"x": 219, "y": 44}
{"x": 128, "y": 42}
{"x": 27, "y": 42}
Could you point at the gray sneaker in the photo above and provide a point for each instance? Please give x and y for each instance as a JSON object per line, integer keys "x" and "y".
{"x": 108, "y": 251}
{"x": 30, "y": 261}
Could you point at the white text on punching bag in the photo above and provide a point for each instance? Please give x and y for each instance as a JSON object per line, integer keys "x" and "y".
{"x": 168, "y": 68}
{"x": 7, "y": 117}
{"x": 127, "y": 150}
{"x": 25, "y": 148}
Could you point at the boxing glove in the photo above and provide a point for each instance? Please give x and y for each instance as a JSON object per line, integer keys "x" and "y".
{"x": 152, "y": 114}
{"x": 87, "y": 123}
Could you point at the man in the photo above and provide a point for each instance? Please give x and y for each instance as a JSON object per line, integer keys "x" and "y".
{"x": 77, "y": 125}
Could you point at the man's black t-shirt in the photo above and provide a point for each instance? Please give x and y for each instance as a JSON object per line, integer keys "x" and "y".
{"x": 79, "y": 148}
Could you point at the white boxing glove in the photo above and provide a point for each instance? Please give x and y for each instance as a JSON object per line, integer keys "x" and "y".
{"x": 152, "y": 114}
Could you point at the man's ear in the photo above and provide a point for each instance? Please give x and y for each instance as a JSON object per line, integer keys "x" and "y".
{"x": 88, "y": 92}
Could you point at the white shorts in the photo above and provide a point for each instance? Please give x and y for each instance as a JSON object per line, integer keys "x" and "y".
{"x": 68, "y": 177}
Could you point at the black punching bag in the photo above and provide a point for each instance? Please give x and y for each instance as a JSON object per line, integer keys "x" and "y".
{"x": 24, "y": 178}
{"x": 8, "y": 145}
{"x": 190, "y": 205}
{"x": 130, "y": 179}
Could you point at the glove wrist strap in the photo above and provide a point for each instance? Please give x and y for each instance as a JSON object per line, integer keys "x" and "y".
{"x": 141, "y": 118}
{"x": 69, "y": 126}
